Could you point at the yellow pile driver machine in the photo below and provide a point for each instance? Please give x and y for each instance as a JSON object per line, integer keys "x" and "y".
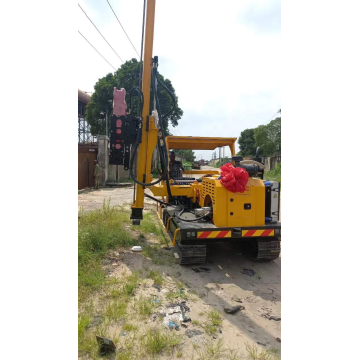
{"x": 197, "y": 209}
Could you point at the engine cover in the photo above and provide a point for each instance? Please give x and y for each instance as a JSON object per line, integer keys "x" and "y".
{"x": 235, "y": 209}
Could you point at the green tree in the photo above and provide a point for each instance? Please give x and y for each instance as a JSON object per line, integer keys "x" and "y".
{"x": 246, "y": 143}
{"x": 188, "y": 154}
{"x": 127, "y": 77}
{"x": 268, "y": 137}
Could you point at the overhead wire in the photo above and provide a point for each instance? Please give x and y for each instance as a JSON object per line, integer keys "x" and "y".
{"x": 123, "y": 28}
{"x": 95, "y": 49}
{"x": 101, "y": 34}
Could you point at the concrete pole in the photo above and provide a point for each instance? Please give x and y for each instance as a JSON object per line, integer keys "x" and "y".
{"x": 106, "y": 124}
{"x": 103, "y": 159}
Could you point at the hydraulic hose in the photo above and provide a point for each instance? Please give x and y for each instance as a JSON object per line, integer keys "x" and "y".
{"x": 132, "y": 163}
{"x": 162, "y": 132}
{"x": 197, "y": 219}
{"x": 141, "y": 95}
{"x": 170, "y": 93}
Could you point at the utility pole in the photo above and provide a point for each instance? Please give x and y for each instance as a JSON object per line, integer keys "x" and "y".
{"x": 106, "y": 122}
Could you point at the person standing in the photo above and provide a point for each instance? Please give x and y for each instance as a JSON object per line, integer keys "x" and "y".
{"x": 96, "y": 174}
{"x": 176, "y": 167}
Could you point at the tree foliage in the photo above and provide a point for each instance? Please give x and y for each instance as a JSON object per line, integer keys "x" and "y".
{"x": 188, "y": 154}
{"x": 268, "y": 137}
{"x": 246, "y": 143}
{"x": 127, "y": 77}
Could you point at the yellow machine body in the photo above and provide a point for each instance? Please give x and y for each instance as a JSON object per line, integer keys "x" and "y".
{"x": 235, "y": 209}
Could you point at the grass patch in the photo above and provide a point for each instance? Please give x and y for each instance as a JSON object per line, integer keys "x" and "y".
{"x": 215, "y": 318}
{"x": 213, "y": 350}
{"x": 130, "y": 327}
{"x": 255, "y": 354}
{"x": 155, "y": 342}
{"x": 115, "y": 311}
{"x": 144, "y": 306}
{"x": 214, "y": 321}
{"x": 99, "y": 231}
{"x": 156, "y": 276}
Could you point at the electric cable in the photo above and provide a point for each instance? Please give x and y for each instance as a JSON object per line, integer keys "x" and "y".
{"x": 122, "y": 28}
{"x": 95, "y": 49}
{"x": 101, "y": 34}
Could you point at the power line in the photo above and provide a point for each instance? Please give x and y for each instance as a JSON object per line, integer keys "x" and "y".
{"x": 123, "y": 29}
{"x": 142, "y": 44}
{"x": 272, "y": 118}
{"x": 101, "y": 35}
{"x": 95, "y": 49}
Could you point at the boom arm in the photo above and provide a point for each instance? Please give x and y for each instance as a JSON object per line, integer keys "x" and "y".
{"x": 144, "y": 156}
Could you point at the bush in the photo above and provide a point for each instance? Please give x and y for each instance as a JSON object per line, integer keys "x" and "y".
{"x": 274, "y": 175}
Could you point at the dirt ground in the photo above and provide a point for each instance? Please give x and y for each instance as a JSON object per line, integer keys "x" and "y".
{"x": 223, "y": 286}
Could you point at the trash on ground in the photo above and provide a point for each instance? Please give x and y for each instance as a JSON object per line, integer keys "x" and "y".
{"x": 249, "y": 272}
{"x": 234, "y": 309}
{"x": 106, "y": 345}
{"x": 123, "y": 333}
{"x": 157, "y": 287}
{"x": 251, "y": 329}
{"x": 156, "y": 300}
{"x": 205, "y": 269}
{"x": 191, "y": 333}
{"x": 152, "y": 234}
{"x": 267, "y": 313}
{"x": 235, "y": 298}
{"x": 136, "y": 248}
{"x": 176, "y": 313}
{"x": 260, "y": 343}
{"x": 184, "y": 325}
{"x": 173, "y": 325}
{"x": 201, "y": 269}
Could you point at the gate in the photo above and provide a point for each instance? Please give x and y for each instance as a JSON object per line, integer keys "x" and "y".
{"x": 86, "y": 156}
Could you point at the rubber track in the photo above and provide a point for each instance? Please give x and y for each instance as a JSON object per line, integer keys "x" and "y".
{"x": 267, "y": 250}
{"x": 190, "y": 254}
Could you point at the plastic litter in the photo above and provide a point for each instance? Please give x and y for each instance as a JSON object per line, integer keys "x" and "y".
{"x": 136, "y": 248}
{"x": 233, "y": 178}
{"x": 234, "y": 309}
{"x": 173, "y": 325}
{"x": 123, "y": 333}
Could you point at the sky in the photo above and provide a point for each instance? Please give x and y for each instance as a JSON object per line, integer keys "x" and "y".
{"x": 222, "y": 57}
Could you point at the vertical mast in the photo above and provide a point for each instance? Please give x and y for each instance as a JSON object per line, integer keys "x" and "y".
{"x": 146, "y": 84}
